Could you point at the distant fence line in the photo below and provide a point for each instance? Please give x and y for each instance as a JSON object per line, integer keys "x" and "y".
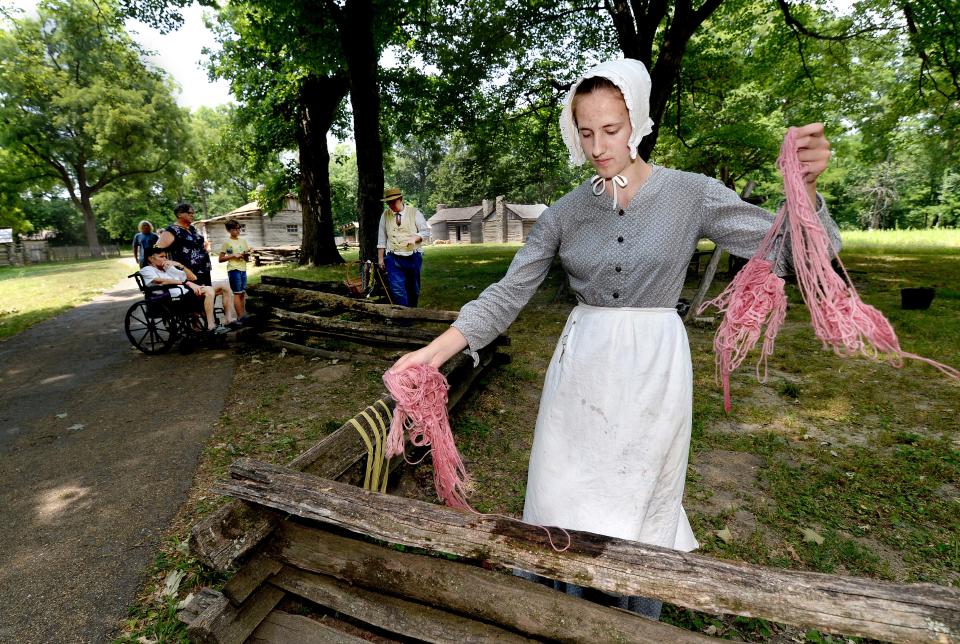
{"x": 39, "y": 252}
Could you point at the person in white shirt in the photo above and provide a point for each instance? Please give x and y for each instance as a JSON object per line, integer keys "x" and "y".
{"x": 401, "y": 232}
{"x": 161, "y": 271}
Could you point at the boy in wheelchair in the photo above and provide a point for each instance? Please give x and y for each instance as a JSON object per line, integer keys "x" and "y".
{"x": 161, "y": 271}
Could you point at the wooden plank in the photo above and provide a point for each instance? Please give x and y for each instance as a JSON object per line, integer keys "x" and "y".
{"x": 392, "y": 614}
{"x": 704, "y": 285}
{"x": 352, "y": 356}
{"x": 199, "y": 604}
{"x": 304, "y": 297}
{"x": 232, "y": 531}
{"x": 310, "y": 285}
{"x": 864, "y": 607}
{"x": 224, "y": 623}
{"x": 282, "y": 628}
{"x": 356, "y": 331}
{"x": 249, "y": 578}
{"x": 490, "y": 596}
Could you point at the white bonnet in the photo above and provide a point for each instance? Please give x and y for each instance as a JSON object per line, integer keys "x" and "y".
{"x": 631, "y": 77}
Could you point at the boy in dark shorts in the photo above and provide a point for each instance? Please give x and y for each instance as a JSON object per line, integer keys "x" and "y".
{"x": 235, "y": 251}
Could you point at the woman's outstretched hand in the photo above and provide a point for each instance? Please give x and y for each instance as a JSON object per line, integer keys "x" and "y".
{"x": 445, "y": 346}
{"x": 813, "y": 152}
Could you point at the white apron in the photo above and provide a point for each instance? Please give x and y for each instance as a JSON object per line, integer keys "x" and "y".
{"x": 613, "y": 432}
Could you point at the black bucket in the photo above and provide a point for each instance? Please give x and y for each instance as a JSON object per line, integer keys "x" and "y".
{"x": 916, "y": 299}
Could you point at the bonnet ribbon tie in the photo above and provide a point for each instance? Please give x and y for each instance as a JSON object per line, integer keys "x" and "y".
{"x": 599, "y": 186}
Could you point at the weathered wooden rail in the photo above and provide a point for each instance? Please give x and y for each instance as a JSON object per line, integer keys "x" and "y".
{"x": 298, "y": 315}
{"x": 297, "y": 297}
{"x": 358, "y": 331}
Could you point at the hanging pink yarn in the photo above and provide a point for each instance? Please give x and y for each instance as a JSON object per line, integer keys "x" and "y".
{"x": 755, "y": 297}
{"x": 841, "y": 320}
{"x": 420, "y": 392}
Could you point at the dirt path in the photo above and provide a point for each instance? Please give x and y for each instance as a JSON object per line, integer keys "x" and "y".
{"x": 98, "y": 447}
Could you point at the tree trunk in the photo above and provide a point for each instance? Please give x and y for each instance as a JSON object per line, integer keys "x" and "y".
{"x": 356, "y": 38}
{"x": 318, "y": 101}
{"x": 636, "y": 25}
{"x": 202, "y": 197}
{"x": 89, "y": 222}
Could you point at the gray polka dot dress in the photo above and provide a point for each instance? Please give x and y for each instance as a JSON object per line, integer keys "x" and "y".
{"x": 613, "y": 430}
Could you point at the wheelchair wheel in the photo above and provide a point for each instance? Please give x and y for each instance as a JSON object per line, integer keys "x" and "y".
{"x": 150, "y": 328}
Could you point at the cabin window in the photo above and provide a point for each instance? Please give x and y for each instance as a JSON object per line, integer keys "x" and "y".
{"x": 243, "y": 228}
{"x": 293, "y": 228}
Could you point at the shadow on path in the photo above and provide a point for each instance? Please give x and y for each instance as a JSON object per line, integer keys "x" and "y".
{"x": 98, "y": 448}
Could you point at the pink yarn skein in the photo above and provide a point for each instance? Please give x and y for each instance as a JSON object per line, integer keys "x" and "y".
{"x": 420, "y": 392}
{"x": 840, "y": 319}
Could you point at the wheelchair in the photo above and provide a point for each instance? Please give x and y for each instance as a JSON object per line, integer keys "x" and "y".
{"x": 158, "y": 322}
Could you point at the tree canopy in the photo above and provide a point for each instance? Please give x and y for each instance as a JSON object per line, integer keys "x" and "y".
{"x": 78, "y": 104}
{"x": 458, "y": 101}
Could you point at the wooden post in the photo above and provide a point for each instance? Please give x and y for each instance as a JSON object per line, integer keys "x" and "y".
{"x": 352, "y": 356}
{"x": 222, "y": 623}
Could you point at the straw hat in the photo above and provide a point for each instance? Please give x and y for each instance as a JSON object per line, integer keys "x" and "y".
{"x": 391, "y": 194}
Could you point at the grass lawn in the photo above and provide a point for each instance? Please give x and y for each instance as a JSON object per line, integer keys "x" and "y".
{"x": 902, "y": 241}
{"x": 844, "y": 466}
{"x": 33, "y": 293}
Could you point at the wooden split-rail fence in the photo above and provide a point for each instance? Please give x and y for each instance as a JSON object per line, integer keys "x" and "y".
{"x": 306, "y": 539}
{"x": 322, "y": 554}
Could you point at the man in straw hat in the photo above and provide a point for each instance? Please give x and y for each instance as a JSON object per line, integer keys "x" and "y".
{"x": 401, "y": 232}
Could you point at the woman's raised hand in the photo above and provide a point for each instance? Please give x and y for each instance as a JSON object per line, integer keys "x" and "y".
{"x": 813, "y": 151}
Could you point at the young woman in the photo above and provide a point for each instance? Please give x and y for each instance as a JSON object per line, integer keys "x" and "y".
{"x": 613, "y": 431}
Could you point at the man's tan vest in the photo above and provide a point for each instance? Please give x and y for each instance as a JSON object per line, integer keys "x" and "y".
{"x": 397, "y": 236}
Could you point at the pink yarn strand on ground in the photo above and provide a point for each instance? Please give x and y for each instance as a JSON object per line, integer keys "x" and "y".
{"x": 841, "y": 320}
{"x": 420, "y": 392}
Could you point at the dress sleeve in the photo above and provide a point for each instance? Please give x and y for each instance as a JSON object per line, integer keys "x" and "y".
{"x": 738, "y": 227}
{"x": 489, "y": 315}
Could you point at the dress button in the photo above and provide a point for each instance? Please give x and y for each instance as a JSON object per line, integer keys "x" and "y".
{"x": 616, "y": 295}
{"x": 617, "y": 269}
{"x": 621, "y": 212}
{"x": 620, "y": 239}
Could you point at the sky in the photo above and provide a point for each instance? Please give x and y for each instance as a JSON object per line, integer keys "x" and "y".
{"x": 179, "y": 53}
